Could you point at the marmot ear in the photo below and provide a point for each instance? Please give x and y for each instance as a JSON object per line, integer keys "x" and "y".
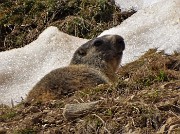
{"x": 82, "y": 52}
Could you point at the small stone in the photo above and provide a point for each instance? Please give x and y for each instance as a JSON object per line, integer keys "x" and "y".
{"x": 37, "y": 118}
{"x": 51, "y": 113}
{"x": 72, "y": 111}
{"x": 50, "y": 119}
{"x": 45, "y": 125}
{"x": 46, "y": 111}
{"x": 127, "y": 79}
{"x": 58, "y": 121}
{"x": 33, "y": 109}
{"x": 47, "y": 132}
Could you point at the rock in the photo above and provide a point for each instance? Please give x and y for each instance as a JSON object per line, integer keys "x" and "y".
{"x": 36, "y": 118}
{"x": 72, "y": 111}
{"x": 50, "y": 120}
{"x": 46, "y": 111}
{"x": 33, "y": 109}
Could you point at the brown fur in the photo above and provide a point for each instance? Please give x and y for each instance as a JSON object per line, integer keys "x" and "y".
{"x": 94, "y": 63}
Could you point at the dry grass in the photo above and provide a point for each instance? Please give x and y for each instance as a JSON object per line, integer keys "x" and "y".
{"x": 146, "y": 99}
{"x": 22, "y": 21}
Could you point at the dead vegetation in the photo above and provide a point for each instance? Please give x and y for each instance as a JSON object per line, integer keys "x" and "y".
{"x": 145, "y": 100}
{"x": 22, "y": 21}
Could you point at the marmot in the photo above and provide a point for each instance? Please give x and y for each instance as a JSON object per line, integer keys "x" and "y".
{"x": 93, "y": 63}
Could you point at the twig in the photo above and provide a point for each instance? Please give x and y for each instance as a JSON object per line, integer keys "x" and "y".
{"x": 174, "y": 114}
{"x": 104, "y": 124}
{"x": 12, "y": 103}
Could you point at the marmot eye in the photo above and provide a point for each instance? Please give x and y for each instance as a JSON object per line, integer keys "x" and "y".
{"x": 82, "y": 52}
{"x": 120, "y": 41}
{"x": 98, "y": 42}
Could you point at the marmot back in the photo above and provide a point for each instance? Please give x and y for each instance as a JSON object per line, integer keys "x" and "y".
{"x": 93, "y": 63}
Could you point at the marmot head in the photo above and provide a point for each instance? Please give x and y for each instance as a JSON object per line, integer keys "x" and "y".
{"x": 103, "y": 53}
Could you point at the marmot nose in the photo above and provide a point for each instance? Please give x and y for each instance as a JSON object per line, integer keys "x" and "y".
{"x": 120, "y": 43}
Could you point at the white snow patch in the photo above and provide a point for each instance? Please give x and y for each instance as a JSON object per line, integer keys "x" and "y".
{"x": 21, "y": 69}
{"x": 134, "y": 4}
{"x": 156, "y": 26}
{"x": 129, "y": 4}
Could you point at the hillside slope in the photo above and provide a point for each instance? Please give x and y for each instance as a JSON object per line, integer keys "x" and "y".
{"x": 146, "y": 99}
